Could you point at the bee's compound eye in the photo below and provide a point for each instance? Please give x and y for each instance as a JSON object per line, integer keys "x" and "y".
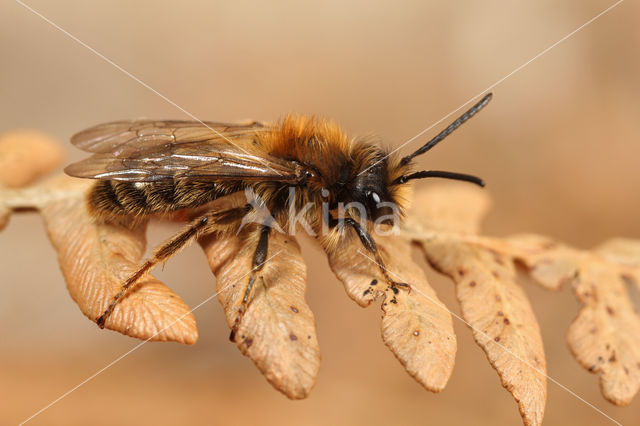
{"x": 308, "y": 174}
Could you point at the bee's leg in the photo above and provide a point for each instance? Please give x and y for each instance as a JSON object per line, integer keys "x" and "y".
{"x": 369, "y": 243}
{"x": 195, "y": 229}
{"x": 259, "y": 259}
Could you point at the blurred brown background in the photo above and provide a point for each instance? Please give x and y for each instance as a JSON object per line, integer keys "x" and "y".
{"x": 558, "y": 148}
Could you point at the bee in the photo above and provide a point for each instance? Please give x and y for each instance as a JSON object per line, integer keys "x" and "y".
{"x": 145, "y": 168}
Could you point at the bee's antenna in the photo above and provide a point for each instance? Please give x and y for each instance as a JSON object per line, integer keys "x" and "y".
{"x": 439, "y": 174}
{"x": 446, "y": 132}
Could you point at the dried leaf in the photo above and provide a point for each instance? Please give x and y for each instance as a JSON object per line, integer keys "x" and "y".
{"x": 548, "y": 262}
{"x": 416, "y": 326}
{"x": 278, "y": 329}
{"x": 499, "y": 314}
{"x": 605, "y": 336}
{"x": 444, "y": 221}
{"x": 361, "y": 277}
{"x": 448, "y": 207}
{"x": 96, "y": 259}
{"x": 26, "y": 155}
{"x": 626, "y": 253}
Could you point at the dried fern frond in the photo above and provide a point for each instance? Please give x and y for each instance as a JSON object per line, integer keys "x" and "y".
{"x": 605, "y": 336}
{"x": 416, "y": 326}
{"x": 492, "y": 303}
{"x": 278, "y": 329}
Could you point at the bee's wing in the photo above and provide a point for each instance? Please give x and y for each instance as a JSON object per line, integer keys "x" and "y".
{"x": 119, "y": 135}
{"x": 147, "y": 151}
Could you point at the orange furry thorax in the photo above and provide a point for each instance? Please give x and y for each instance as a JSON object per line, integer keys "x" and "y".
{"x": 339, "y": 159}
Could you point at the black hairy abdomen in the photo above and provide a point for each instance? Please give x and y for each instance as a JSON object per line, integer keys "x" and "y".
{"x": 108, "y": 198}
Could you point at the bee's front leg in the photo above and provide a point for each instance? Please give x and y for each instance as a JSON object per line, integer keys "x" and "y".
{"x": 369, "y": 243}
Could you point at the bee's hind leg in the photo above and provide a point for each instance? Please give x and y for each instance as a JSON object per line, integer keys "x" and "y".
{"x": 195, "y": 229}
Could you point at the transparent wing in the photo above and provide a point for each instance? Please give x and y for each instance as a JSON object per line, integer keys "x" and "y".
{"x": 147, "y": 151}
{"x": 120, "y": 135}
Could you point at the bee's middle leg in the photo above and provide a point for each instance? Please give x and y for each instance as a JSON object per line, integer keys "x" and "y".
{"x": 257, "y": 263}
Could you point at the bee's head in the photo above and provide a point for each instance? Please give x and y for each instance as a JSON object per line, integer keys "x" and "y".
{"x": 377, "y": 188}
{"x": 370, "y": 189}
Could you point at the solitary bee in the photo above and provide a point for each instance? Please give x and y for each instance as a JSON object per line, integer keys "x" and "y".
{"x": 149, "y": 167}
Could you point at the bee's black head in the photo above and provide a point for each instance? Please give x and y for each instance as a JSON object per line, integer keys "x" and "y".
{"x": 373, "y": 189}
{"x": 370, "y": 189}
